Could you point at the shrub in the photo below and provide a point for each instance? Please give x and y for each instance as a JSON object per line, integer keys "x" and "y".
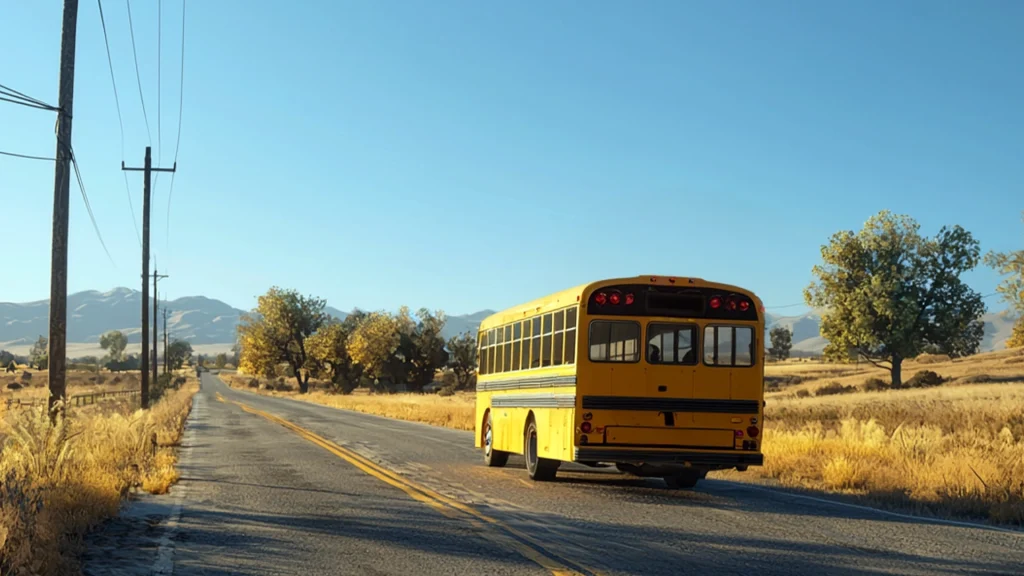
{"x": 13, "y": 386}
{"x": 932, "y": 358}
{"x": 446, "y": 391}
{"x": 115, "y": 380}
{"x": 26, "y": 375}
{"x": 833, "y": 387}
{"x": 803, "y": 393}
{"x": 283, "y": 386}
{"x": 874, "y": 385}
{"x": 923, "y": 379}
{"x": 253, "y": 383}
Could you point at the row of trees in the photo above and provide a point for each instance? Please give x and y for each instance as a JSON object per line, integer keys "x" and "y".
{"x": 888, "y": 293}
{"x": 378, "y": 349}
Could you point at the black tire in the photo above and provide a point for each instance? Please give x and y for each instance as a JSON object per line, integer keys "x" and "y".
{"x": 540, "y": 469}
{"x": 685, "y": 480}
{"x": 492, "y": 457}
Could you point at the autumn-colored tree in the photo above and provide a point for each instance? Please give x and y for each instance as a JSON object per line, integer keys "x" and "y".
{"x": 887, "y": 293}
{"x": 373, "y": 343}
{"x": 114, "y": 342}
{"x": 329, "y": 355}
{"x": 462, "y": 358}
{"x": 276, "y": 332}
{"x": 39, "y": 354}
{"x": 782, "y": 342}
{"x": 1010, "y": 265}
{"x": 221, "y": 361}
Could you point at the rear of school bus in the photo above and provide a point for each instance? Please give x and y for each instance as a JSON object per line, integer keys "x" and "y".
{"x": 669, "y": 377}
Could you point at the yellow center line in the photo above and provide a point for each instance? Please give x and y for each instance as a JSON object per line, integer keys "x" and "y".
{"x": 554, "y": 563}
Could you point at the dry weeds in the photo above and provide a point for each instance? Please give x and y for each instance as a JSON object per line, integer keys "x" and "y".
{"x": 58, "y": 481}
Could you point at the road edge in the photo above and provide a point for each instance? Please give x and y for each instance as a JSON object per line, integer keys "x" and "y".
{"x": 164, "y": 563}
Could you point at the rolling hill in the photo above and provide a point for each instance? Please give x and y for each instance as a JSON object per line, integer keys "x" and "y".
{"x": 209, "y": 324}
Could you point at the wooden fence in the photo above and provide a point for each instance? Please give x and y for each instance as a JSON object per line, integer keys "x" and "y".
{"x": 75, "y": 400}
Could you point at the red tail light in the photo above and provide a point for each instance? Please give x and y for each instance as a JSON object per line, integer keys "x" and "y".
{"x": 601, "y": 298}
{"x": 586, "y": 427}
{"x": 614, "y": 298}
{"x": 752, "y": 431}
{"x": 715, "y": 302}
{"x": 744, "y": 305}
{"x": 629, "y": 299}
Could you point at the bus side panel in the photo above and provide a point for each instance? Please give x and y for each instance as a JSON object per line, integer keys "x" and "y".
{"x": 555, "y": 433}
{"x": 483, "y": 402}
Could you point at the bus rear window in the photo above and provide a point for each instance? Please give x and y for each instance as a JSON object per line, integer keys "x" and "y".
{"x": 614, "y": 341}
{"x": 729, "y": 346}
{"x": 671, "y": 344}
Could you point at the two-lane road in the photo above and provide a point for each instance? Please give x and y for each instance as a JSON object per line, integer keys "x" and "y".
{"x": 275, "y": 486}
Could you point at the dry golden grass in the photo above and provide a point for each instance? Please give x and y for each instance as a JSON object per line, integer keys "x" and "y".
{"x": 58, "y": 481}
{"x": 458, "y": 411}
{"x": 78, "y": 382}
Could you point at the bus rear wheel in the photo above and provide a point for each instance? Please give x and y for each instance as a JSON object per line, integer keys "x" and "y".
{"x": 540, "y": 469}
{"x": 686, "y": 479}
{"x": 492, "y": 457}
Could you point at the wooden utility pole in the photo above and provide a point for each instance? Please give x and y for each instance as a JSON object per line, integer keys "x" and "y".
{"x": 166, "y": 369}
{"x": 144, "y": 357}
{"x": 156, "y": 323}
{"x": 57, "y": 352}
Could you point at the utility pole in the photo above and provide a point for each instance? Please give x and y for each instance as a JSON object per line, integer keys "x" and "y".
{"x": 166, "y": 369}
{"x": 156, "y": 322}
{"x": 144, "y": 357}
{"x": 57, "y": 353}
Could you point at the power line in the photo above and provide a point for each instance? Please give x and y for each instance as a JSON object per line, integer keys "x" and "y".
{"x": 177, "y": 140}
{"x": 88, "y": 206}
{"x": 138, "y": 77}
{"x": 28, "y": 157}
{"x": 120, "y": 121}
{"x": 24, "y": 99}
{"x": 29, "y": 104}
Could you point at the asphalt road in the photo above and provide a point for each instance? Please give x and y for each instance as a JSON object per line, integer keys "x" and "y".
{"x": 275, "y": 486}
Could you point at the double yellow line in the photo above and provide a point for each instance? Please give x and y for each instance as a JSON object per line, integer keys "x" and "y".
{"x": 499, "y": 532}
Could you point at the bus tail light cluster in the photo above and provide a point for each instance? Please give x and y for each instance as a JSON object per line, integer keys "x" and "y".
{"x": 586, "y": 427}
{"x": 752, "y": 431}
{"x": 615, "y": 298}
{"x": 731, "y": 303}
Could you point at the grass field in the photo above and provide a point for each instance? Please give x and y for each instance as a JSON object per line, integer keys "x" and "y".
{"x": 954, "y": 449}
{"x": 56, "y": 482}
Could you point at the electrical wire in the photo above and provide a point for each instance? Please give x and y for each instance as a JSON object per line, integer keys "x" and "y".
{"x": 177, "y": 140}
{"x": 26, "y": 156}
{"x": 138, "y": 77}
{"x": 22, "y": 98}
{"x": 120, "y": 121}
{"x": 29, "y": 104}
{"x": 88, "y": 206}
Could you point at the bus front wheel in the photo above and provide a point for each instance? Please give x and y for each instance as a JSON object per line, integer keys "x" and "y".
{"x": 540, "y": 469}
{"x": 492, "y": 457}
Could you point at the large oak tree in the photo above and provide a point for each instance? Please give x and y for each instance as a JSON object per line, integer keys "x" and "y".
{"x": 887, "y": 293}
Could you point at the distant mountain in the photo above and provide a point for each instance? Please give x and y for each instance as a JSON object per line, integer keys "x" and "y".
{"x": 807, "y": 338}
{"x": 209, "y": 322}
{"x": 197, "y": 319}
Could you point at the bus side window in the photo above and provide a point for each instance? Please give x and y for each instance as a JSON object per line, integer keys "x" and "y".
{"x": 535, "y": 352}
{"x": 545, "y": 345}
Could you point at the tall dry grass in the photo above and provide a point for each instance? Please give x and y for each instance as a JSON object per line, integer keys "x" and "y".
{"x": 57, "y": 481}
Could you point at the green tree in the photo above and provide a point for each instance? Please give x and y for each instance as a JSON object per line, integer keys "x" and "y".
{"x": 1010, "y": 265}
{"x": 38, "y": 356}
{"x": 221, "y": 361}
{"x": 372, "y": 345}
{"x": 177, "y": 353}
{"x": 422, "y": 347}
{"x": 462, "y": 358}
{"x": 887, "y": 293}
{"x": 329, "y": 355}
{"x": 114, "y": 342}
{"x": 276, "y": 332}
{"x": 782, "y": 342}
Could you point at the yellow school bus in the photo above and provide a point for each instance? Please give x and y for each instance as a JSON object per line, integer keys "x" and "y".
{"x": 658, "y": 375}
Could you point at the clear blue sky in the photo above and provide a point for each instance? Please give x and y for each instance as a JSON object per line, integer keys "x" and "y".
{"x": 468, "y": 155}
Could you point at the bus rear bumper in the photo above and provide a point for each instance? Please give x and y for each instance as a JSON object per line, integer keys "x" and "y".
{"x": 702, "y": 459}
